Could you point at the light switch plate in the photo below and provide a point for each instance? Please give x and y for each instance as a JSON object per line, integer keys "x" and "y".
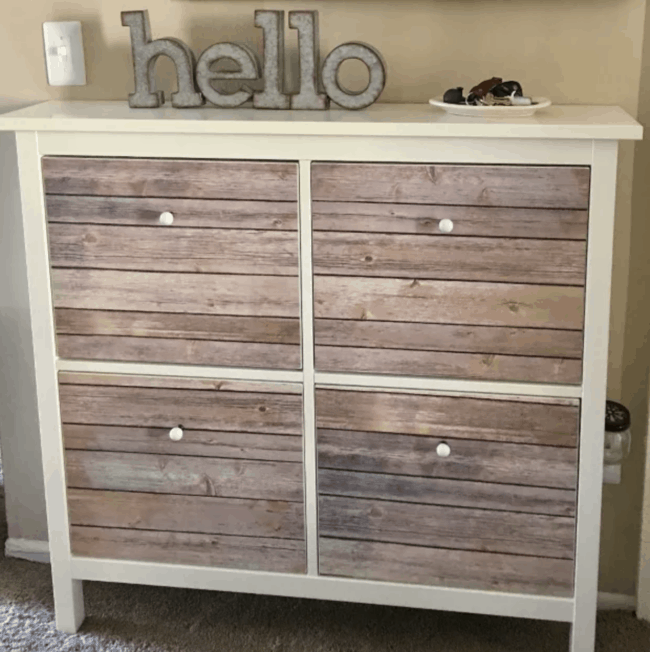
{"x": 64, "y": 53}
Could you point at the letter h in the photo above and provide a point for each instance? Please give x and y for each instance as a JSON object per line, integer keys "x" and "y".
{"x": 145, "y": 55}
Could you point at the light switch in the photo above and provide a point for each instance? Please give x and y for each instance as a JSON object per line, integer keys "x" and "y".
{"x": 64, "y": 53}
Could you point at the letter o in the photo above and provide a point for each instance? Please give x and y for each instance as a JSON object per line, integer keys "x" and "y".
{"x": 376, "y": 70}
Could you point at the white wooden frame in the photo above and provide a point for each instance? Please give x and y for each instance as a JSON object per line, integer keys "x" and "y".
{"x": 68, "y": 571}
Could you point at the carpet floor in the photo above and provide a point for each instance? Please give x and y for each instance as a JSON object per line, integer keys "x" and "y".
{"x": 121, "y": 618}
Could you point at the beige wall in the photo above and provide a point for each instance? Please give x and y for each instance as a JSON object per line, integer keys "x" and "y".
{"x": 584, "y": 52}
{"x": 637, "y": 343}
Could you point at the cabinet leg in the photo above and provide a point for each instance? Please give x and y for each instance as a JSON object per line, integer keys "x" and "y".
{"x": 68, "y": 604}
{"x": 583, "y": 634}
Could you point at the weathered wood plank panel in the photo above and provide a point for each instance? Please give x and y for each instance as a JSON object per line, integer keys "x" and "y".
{"x": 203, "y": 213}
{"x": 448, "y": 416}
{"x": 446, "y": 527}
{"x": 453, "y": 493}
{"x": 528, "y": 186}
{"x": 501, "y": 222}
{"x": 390, "y": 562}
{"x": 274, "y": 296}
{"x": 173, "y": 474}
{"x": 149, "y": 349}
{"x": 275, "y": 330}
{"x": 505, "y": 260}
{"x": 177, "y": 382}
{"x": 191, "y": 178}
{"x": 204, "y": 443}
{"x": 156, "y": 249}
{"x": 534, "y": 342}
{"x": 193, "y": 409}
{"x": 510, "y": 398}
{"x": 477, "y": 366}
{"x": 478, "y": 461}
{"x": 209, "y": 515}
{"x": 459, "y": 302}
{"x": 245, "y": 553}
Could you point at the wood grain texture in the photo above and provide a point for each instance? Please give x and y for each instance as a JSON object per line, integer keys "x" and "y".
{"x": 391, "y": 562}
{"x": 453, "y": 493}
{"x": 149, "y": 349}
{"x": 272, "y": 330}
{"x": 177, "y": 382}
{"x": 202, "y": 514}
{"x": 440, "y": 393}
{"x": 470, "y": 459}
{"x": 460, "y": 417}
{"x": 526, "y": 186}
{"x": 224, "y": 294}
{"x": 446, "y": 527}
{"x": 477, "y": 366}
{"x": 202, "y": 443}
{"x": 245, "y": 553}
{"x": 501, "y": 222}
{"x": 174, "y": 474}
{"x": 202, "y": 213}
{"x": 191, "y": 178}
{"x": 494, "y": 340}
{"x": 148, "y": 407}
{"x": 456, "y": 302}
{"x": 505, "y": 260}
{"x": 157, "y": 249}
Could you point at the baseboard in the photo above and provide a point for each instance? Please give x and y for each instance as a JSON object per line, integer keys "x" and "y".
{"x": 616, "y": 601}
{"x": 39, "y": 551}
{"x": 30, "y": 549}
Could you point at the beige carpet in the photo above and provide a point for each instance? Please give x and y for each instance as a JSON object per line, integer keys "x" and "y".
{"x": 153, "y": 619}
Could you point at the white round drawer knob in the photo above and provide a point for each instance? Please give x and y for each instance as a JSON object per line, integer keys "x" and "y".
{"x": 176, "y": 434}
{"x": 443, "y": 450}
{"x": 166, "y": 218}
{"x": 446, "y": 226}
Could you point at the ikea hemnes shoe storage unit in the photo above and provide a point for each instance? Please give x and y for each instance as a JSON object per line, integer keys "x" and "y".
{"x": 356, "y": 356}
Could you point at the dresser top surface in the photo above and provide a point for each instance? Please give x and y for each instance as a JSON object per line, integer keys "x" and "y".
{"x": 414, "y": 120}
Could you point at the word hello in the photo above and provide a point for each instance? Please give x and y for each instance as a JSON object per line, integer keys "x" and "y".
{"x": 195, "y": 79}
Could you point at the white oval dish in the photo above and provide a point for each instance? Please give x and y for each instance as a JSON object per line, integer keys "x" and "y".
{"x": 493, "y": 111}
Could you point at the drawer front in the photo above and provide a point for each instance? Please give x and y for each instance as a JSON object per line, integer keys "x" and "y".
{"x": 526, "y": 186}
{"x": 500, "y": 296}
{"x": 228, "y": 493}
{"x": 218, "y": 286}
{"x": 155, "y": 177}
{"x": 497, "y": 512}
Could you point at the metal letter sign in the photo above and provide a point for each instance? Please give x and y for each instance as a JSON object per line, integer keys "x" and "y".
{"x": 306, "y": 22}
{"x": 191, "y": 80}
{"x": 272, "y": 22}
{"x": 249, "y": 68}
{"x": 376, "y": 69}
{"x": 145, "y": 54}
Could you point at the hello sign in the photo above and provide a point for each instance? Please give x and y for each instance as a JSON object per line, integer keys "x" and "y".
{"x": 195, "y": 78}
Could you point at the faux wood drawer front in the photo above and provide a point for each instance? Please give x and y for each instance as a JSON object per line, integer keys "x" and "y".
{"x": 229, "y": 493}
{"x": 499, "y": 509}
{"x": 218, "y": 287}
{"x": 154, "y": 177}
{"x": 507, "y": 419}
{"x": 503, "y": 260}
{"x": 526, "y": 186}
{"x": 499, "y": 297}
{"x": 468, "y": 221}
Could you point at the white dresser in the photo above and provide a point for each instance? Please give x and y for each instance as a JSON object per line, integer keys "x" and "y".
{"x": 354, "y": 356}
